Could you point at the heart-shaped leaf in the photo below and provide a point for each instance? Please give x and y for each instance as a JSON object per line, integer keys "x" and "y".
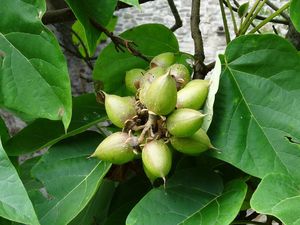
{"x": 186, "y": 193}
{"x": 278, "y": 195}
{"x": 100, "y": 11}
{"x": 34, "y": 76}
{"x": 15, "y": 204}
{"x": 294, "y": 12}
{"x": 70, "y": 179}
{"x": 111, "y": 66}
{"x": 42, "y": 132}
{"x": 256, "y": 112}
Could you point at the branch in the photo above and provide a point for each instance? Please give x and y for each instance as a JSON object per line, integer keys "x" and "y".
{"x": 200, "y": 69}
{"x": 119, "y": 42}
{"x": 225, "y": 24}
{"x": 279, "y": 21}
{"x": 275, "y": 8}
{"x": 58, "y": 16}
{"x": 178, "y": 21}
{"x": 66, "y": 14}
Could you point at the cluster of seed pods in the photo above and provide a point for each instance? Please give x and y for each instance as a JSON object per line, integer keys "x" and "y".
{"x": 162, "y": 114}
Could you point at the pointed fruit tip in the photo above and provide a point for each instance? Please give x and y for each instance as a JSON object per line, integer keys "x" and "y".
{"x": 91, "y": 156}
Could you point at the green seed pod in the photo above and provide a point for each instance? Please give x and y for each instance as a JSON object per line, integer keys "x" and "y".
{"x": 157, "y": 159}
{"x": 132, "y": 78}
{"x": 152, "y": 74}
{"x": 163, "y": 60}
{"x": 181, "y": 75}
{"x": 184, "y": 122}
{"x": 193, "y": 145}
{"x": 116, "y": 148}
{"x": 193, "y": 95}
{"x": 161, "y": 95}
{"x": 119, "y": 109}
{"x": 147, "y": 79}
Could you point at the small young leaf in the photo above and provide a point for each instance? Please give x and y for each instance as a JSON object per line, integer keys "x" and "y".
{"x": 243, "y": 10}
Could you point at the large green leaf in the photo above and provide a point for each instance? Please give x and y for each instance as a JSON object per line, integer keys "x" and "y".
{"x": 186, "y": 193}
{"x": 97, "y": 209}
{"x": 70, "y": 178}
{"x": 100, "y": 11}
{"x": 151, "y": 40}
{"x": 278, "y": 195}
{"x": 224, "y": 208}
{"x": 294, "y": 11}
{"x": 15, "y": 204}
{"x": 33, "y": 75}
{"x": 42, "y": 133}
{"x": 256, "y": 113}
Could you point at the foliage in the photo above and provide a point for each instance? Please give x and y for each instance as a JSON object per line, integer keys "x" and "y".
{"x": 252, "y": 119}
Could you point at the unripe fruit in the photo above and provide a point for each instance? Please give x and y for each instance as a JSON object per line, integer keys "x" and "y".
{"x": 157, "y": 159}
{"x": 163, "y": 60}
{"x": 181, "y": 75}
{"x": 151, "y": 75}
{"x": 193, "y": 95}
{"x": 193, "y": 145}
{"x": 119, "y": 109}
{"x": 116, "y": 148}
{"x": 161, "y": 95}
{"x": 132, "y": 77}
{"x": 147, "y": 79}
{"x": 184, "y": 122}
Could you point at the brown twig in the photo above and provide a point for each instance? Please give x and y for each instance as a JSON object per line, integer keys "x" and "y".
{"x": 200, "y": 69}
{"x": 279, "y": 21}
{"x": 120, "y": 43}
{"x": 66, "y": 14}
{"x": 178, "y": 21}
